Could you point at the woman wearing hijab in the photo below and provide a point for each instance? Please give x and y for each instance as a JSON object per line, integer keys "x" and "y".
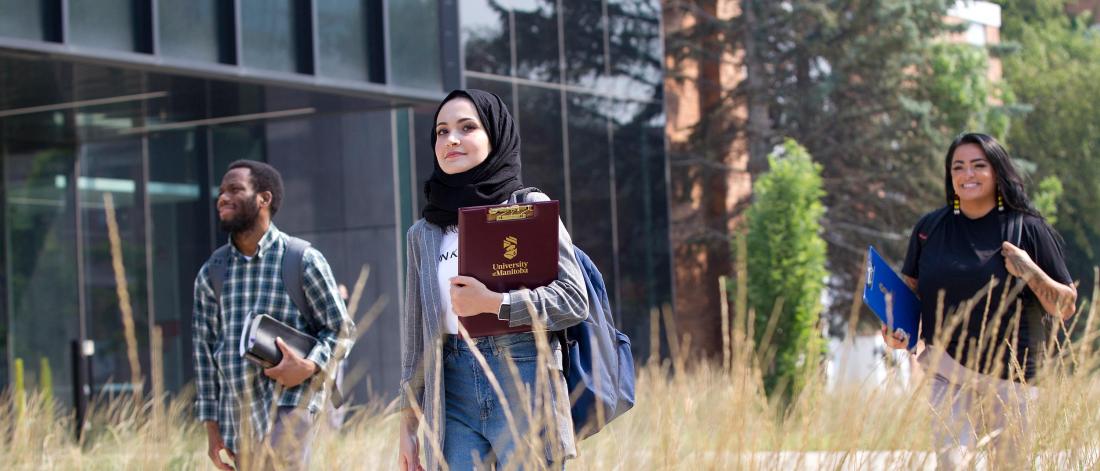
{"x": 477, "y": 162}
{"x": 979, "y": 344}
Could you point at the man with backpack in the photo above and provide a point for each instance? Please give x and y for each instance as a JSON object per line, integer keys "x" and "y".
{"x": 262, "y": 417}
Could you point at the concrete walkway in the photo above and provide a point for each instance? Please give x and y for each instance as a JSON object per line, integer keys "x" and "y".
{"x": 883, "y": 460}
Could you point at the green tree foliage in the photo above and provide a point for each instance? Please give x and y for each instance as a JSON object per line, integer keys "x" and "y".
{"x": 786, "y": 264}
{"x": 959, "y": 92}
{"x": 872, "y": 92}
{"x": 1056, "y": 72}
{"x": 1046, "y": 198}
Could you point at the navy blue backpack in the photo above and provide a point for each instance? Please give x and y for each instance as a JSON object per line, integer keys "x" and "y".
{"x": 597, "y": 361}
{"x": 599, "y": 366}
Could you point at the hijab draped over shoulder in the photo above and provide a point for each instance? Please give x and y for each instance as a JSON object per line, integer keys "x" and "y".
{"x": 490, "y": 182}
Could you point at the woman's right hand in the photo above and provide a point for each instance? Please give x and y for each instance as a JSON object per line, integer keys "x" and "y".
{"x": 896, "y": 341}
{"x": 408, "y": 457}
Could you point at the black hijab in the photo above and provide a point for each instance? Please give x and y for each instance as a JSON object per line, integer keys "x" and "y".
{"x": 490, "y": 182}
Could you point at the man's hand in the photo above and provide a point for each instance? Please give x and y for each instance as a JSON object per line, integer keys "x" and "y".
{"x": 214, "y": 446}
{"x": 470, "y": 297}
{"x": 292, "y": 370}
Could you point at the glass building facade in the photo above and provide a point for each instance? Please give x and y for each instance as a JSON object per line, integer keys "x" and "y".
{"x": 147, "y": 101}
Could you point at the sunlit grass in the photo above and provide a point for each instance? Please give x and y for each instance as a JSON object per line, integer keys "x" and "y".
{"x": 700, "y": 418}
{"x": 698, "y": 415}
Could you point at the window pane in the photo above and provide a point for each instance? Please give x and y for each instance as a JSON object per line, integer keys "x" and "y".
{"x": 29, "y": 82}
{"x": 189, "y": 29}
{"x": 500, "y": 88}
{"x": 975, "y": 34}
{"x": 414, "y": 44}
{"x": 180, "y": 224}
{"x": 23, "y": 19}
{"x": 485, "y": 36}
{"x": 540, "y": 128}
{"x": 583, "y": 35}
{"x": 343, "y": 39}
{"x": 113, "y": 167}
{"x": 488, "y": 29}
{"x": 288, "y": 141}
{"x": 107, "y": 24}
{"x": 268, "y": 39}
{"x": 634, "y": 35}
{"x": 186, "y": 99}
{"x": 40, "y": 227}
{"x": 590, "y": 182}
{"x": 642, "y": 205}
{"x": 536, "y": 35}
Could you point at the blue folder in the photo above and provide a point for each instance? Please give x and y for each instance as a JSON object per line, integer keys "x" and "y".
{"x": 890, "y": 298}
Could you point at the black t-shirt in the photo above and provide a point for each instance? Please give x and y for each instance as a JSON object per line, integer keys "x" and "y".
{"x": 960, "y": 256}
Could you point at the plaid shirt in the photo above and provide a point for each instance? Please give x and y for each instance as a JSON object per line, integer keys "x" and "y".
{"x": 252, "y": 286}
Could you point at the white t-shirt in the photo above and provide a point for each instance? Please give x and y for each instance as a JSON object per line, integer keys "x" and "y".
{"x": 448, "y": 268}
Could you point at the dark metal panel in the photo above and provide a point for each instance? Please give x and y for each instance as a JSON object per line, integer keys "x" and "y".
{"x": 154, "y": 27}
{"x": 314, "y": 40}
{"x": 63, "y": 17}
{"x": 228, "y": 38}
{"x": 144, "y": 25}
{"x": 383, "y": 21}
{"x": 236, "y": 19}
{"x": 305, "y": 18}
{"x": 52, "y": 20}
{"x": 377, "y": 51}
{"x": 451, "y": 54}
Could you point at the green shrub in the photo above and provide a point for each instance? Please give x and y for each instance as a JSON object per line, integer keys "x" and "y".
{"x": 786, "y": 267}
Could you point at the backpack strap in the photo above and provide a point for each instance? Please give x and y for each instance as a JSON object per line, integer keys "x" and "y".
{"x": 1018, "y": 233}
{"x": 521, "y": 194}
{"x": 292, "y": 273}
{"x": 216, "y": 268}
{"x": 293, "y": 266}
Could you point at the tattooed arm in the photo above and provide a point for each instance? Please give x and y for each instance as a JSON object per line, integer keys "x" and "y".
{"x": 1058, "y": 299}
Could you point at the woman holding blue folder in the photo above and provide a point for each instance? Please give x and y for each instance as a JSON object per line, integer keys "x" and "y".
{"x": 477, "y": 163}
{"x": 981, "y": 344}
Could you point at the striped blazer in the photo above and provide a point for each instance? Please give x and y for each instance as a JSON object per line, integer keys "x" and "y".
{"x": 560, "y": 304}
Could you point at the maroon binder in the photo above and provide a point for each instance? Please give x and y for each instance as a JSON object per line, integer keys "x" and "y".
{"x": 507, "y": 247}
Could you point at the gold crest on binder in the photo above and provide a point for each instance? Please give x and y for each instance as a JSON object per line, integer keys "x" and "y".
{"x": 511, "y": 247}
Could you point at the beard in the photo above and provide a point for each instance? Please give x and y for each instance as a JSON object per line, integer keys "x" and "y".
{"x": 245, "y": 218}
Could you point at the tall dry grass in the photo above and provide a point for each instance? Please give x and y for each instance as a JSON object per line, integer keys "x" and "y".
{"x": 695, "y": 416}
{"x": 688, "y": 415}
{"x": 703, "y": 417}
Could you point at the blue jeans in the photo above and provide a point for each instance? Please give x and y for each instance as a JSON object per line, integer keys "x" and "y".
{"x": 476, "y": 432}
